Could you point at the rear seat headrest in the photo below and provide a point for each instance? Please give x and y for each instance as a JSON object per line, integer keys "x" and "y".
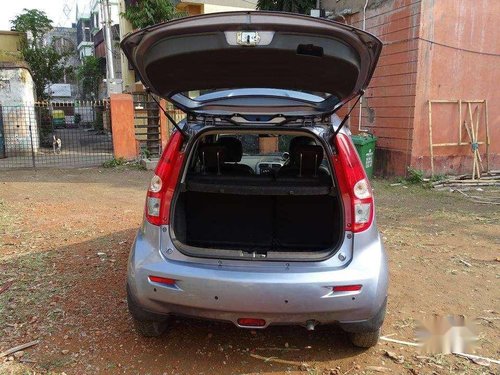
{"x": 300, "y": 141}
{"x": 234, "y": 149}
{"x": 212, "y": 156}
{"x": 309, "y": 158}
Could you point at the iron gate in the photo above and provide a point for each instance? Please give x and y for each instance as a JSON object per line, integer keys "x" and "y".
{"x": 55, "y": 134}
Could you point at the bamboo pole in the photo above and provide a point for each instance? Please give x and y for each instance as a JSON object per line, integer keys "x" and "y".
{"x": 477, "y": 113}
{"x": 460, "y": 123}
{"x": 475, "y": 167}
{"x": 487, "y": 137}
{"x": 430, "y": 138}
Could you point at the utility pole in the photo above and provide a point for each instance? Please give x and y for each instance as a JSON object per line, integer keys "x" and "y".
{"x": 108, "y": 42}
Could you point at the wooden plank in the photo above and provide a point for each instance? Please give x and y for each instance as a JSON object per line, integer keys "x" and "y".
{"x": 444, "y": 144}
{"x": 443, "y": 101}
{"x": 474, "y": 161}
{"x": 477, "y": 112}
{"x": 487, "y": 137}
{"x": 18, "y": 348}
{"x": 460, "y": 123}
{"x": 430, "y": 138}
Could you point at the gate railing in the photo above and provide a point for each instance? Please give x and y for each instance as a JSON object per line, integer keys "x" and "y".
{"x": 147, "y": 124}
{"x": 55, "y": 134}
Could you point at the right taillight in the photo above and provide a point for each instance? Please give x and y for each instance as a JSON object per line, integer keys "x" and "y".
{"x": 163, "y": 183}
{"x": 354, "y": 186}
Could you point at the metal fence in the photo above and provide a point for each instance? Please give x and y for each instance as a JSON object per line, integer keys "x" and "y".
{"x": 65, "y": 134}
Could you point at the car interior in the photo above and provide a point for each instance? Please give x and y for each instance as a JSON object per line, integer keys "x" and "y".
{"x": 230, "y": 201}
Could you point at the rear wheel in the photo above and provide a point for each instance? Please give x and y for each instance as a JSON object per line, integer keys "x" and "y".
{"x": 150, "y": 328}
{"x": 364, "y": 339}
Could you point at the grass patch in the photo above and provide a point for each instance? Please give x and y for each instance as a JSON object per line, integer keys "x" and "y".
{"x": 113, "y": 163}
{"x": 7, "y": 221}
{"x": 120, "y": 163}
{"x": 29, "y": 287}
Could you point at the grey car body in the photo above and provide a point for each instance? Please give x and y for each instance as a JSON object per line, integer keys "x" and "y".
{"x": 228, "y": 288}
{"x": 279, "y": 292}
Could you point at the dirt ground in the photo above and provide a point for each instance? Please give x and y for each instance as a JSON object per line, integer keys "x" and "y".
{"x": 64, "y": 241}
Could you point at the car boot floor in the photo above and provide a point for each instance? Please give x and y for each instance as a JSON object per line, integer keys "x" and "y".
{"x": 254, "y": 223}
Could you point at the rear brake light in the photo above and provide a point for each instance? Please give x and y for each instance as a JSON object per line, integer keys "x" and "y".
{"x": 251, "y": 322}
{"x": 354, "y": 186}
{"x": 162, "y": 280}
{"x": 163, "y": 183}
{"x": 347, "y": 288}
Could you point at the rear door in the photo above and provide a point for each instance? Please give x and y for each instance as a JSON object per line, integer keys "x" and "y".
{"x": 241, "y": 50}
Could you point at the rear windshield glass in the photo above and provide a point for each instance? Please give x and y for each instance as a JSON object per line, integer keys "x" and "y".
{"x": 260, "y": 154}
{"x": 205, "y": 95}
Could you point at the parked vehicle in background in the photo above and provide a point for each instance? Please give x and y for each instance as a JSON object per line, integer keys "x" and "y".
{"x": 281, "y": 232}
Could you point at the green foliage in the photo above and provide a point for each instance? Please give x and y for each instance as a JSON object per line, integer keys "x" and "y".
{"x": 415, "y": 176}
{"x": 144, "y": 13}
{"x": 45, "y": 129}
{"x": 35, "y": 23}
{"x": 294, "y": 6}
{"x": 90, "y": 76}
{"x": 47, "y": 65}
{"x": 145, "y": 153}
{"x": 113, "y": 163}
{"x": 78, "y": 118}
{"x": 99, "y": 121}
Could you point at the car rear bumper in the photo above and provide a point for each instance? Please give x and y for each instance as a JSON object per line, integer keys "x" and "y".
{"x": 287, "y": 294}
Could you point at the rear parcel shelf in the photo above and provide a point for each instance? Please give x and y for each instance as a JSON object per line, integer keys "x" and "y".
{"x": 260, "y": 185}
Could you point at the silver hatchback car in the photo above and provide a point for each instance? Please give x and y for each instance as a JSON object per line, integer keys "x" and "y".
{"x": 260, "y": 212}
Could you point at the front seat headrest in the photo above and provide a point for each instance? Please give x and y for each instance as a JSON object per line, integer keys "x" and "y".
{"x": 234, "y": 149}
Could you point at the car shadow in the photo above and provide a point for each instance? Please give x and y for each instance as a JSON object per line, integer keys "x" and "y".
{"x": 82, "y": 309}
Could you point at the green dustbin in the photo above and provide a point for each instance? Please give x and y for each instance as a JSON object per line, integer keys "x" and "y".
{"x": 365, "y": 144}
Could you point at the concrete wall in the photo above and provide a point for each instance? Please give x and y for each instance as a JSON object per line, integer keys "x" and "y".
{"x": 433, "y": 50}
{"x": 388, "y": 105}
{"x": 18, "y": 112}
{"x": 458, "y": 58}
{"x": 213, "y": 8}
{"x": 10, "y": 46}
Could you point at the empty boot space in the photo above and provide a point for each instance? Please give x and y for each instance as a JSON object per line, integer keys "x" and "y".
{"x": 257, "y": 222}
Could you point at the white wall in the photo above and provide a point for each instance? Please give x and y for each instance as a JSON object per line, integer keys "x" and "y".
{"x": 18, "y": 111}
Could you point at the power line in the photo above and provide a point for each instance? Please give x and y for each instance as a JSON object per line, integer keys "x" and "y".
{"x": 459, "y": 49}
{"x": 442, "y": 45}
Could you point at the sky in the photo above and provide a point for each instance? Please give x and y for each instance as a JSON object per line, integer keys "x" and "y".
{"x": 53, "y": 8}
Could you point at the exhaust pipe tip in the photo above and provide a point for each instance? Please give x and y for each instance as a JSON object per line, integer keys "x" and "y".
{"x": 310, "y": 324}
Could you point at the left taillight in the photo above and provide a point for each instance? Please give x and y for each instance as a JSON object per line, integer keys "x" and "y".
{"x": 354, "y": 185}
{"x": 164, "y": 181}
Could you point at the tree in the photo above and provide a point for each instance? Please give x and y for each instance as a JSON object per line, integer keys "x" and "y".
{"x": 46, "y": 63}
{"x": 90, "y": 75}
{"x": 144, "y": 13}
{"x": 294, "y": 6}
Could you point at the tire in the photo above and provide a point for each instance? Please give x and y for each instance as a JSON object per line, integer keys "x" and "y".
{"x": 364, "y": 339}
{"x": 150, "y": 328}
